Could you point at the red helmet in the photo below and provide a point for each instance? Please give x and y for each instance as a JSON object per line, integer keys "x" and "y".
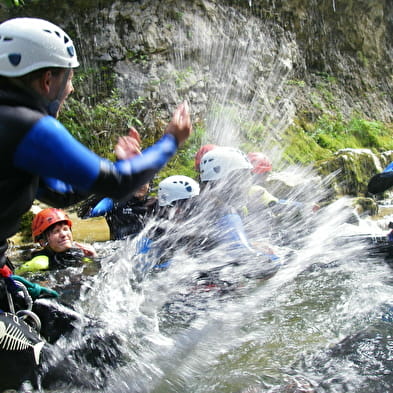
{"x": 46, "y": 218}
{"x": 201, "y": 152}
{"x": 260, "y": 162}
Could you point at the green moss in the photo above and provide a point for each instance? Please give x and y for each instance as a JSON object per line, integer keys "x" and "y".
{"x": 311, "y": 138}
{"x": 301, "y": 147}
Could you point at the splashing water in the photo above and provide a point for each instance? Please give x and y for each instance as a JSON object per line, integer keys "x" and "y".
{"x": 209, "y": 322}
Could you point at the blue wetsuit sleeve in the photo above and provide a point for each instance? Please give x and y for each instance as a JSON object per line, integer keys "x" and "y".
{"x": 389, "y": 168}
{"x": 48, "y": 150}
{"x": 103, "y": 206}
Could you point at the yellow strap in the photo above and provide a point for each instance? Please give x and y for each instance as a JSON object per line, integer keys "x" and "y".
{"x": 260, "y": 193}
{"x": 40, "y": 262}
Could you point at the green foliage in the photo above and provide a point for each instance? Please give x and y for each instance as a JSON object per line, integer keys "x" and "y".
{"x": 14, "y": 3}
{"x": 306, "y": 143}
{"x": 25, "y": 226}
{"x": 98, "y": 126}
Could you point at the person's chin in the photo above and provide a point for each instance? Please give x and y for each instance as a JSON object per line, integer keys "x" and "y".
{"x": 64, "y": 247}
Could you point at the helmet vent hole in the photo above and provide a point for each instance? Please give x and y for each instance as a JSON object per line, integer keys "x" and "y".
{"x": 14, "y": 58}
{"x": 66, "y": 39}
{"x": 7, "y": 39}
{"x": 71, "y": 51}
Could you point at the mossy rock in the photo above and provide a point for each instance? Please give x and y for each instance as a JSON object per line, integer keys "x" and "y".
{"x": 353, "y": 169}
{"x": 365, "y": 206}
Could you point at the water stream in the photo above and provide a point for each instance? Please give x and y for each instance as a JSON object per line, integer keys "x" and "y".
{"x": 314, "y": 326}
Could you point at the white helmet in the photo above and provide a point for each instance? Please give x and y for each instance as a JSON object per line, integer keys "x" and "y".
{"x": 219, "y": 162}
{"x": 175, "y": 188}
{"x": 28, "y": 44}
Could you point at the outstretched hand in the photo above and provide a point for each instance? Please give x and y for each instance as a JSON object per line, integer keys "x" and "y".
{"x": 180, "y": 126}
{"x": 128, "y": 146}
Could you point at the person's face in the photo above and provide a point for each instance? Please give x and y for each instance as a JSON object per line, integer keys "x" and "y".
{"x": 55, "y": 85}
{"x": 59, "y": 237}
{"x": 141, "y": 192}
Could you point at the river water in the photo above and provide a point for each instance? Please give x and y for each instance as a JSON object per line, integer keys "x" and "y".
{"x": 314, "y": 326}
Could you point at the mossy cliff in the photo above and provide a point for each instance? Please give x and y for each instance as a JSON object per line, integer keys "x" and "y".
{"x": 299, "y": 79}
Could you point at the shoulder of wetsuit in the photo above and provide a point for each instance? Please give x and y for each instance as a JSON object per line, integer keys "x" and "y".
{"x": 380, "y": 182}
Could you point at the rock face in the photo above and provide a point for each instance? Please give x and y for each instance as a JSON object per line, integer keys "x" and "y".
{"x": 202, "y": 50}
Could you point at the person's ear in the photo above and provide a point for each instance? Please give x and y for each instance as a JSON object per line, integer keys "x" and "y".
{"x": 45, "y": 82}
{"x": 43, "y": 242}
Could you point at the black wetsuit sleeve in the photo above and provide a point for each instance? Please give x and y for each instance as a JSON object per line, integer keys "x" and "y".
{"x": 58, "y": 198}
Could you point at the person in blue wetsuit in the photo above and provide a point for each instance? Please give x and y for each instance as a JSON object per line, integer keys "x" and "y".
{"x": 39, "y": 157}
{"x": 176, "y": 199}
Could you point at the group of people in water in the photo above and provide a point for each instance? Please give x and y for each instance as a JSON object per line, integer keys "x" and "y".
{"x": 41, "y": 160}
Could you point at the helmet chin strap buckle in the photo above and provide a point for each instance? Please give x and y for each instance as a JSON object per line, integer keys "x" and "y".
{"x": 53, "y": 107}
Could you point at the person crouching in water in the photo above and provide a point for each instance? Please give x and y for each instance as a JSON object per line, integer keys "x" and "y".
{"x": 51, "y": 228}
{"x": 164, "y": 235}
{"x": 61, "y": 263}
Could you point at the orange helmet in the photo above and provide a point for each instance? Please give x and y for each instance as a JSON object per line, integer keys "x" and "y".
{"x": 201, "y": 152}
{"x": 46, "y": 218}
{"x": 260, "y": 163}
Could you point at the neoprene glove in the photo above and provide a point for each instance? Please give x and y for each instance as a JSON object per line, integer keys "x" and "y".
{"x": 103, "y": 206}
{"x": 35, "y": 290}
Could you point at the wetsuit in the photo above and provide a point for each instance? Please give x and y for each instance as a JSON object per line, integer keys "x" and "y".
{"x": 40, "y": 159}
{"x": 381, "y": 182}
{"x": 123, "y": 218}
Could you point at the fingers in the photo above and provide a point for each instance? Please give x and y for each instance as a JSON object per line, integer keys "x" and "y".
{"x": 128, "y": 146}
{"x": 133, "y": 133}
{"x": 180, "y": 126}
